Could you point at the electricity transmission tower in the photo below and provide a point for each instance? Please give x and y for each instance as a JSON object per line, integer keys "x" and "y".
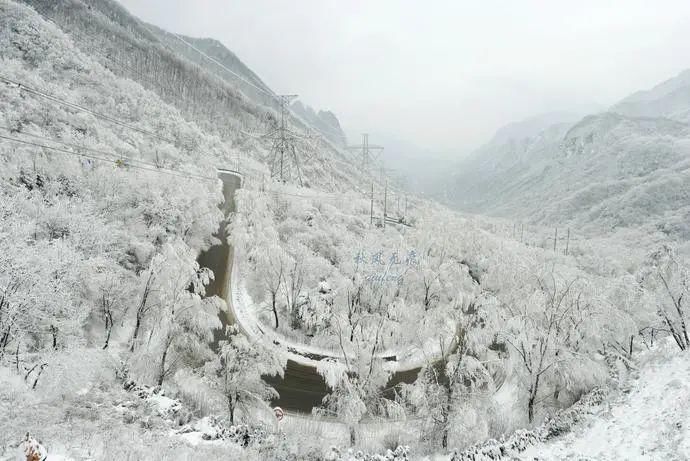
{"x": 384, "y": 172}
{"x": 284, "y": 158}
{"x": 287, "y": 145}
{"x": 366, "y": 150}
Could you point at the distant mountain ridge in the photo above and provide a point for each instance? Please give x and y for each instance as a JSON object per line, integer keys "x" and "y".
{"x": 532, "y": 126}
{"x": 216, "y": 50}
{"x": 670, "y": 99}
{"x": 325, "y": 122}
{"x": 628, "y": 167}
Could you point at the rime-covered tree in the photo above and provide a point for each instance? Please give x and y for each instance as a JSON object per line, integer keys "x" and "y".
{"x": 180, "y": 325}
{"x": 552, "y": 332}
{"x": 456, "y": 383}
{"x": 358, "y": 380}
{"x": 236, "y": 371}
{"x": 665, "y": 279}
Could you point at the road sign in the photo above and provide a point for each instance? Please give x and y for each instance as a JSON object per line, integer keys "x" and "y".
{"x": 279, "y": 413}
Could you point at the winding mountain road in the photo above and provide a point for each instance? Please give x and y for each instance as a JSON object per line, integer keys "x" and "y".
{"x": 302, "y": 387}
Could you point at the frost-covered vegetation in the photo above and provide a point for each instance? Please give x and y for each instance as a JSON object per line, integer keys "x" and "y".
{"x": 89, "y": 242}
{"x": 110, "y": 348}
{"x": 496, "y": 320}
{"x": 219, "y": 103}
{"x": 622, "y": 173}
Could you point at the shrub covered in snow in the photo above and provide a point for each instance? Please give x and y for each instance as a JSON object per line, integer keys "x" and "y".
{"x": 507, "y": 447}
{"x": 217, "y": 428}
{"x": 399, "y": 454}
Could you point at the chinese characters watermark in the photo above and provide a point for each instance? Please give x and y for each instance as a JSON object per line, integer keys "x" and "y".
{"x": 386, "y": 266}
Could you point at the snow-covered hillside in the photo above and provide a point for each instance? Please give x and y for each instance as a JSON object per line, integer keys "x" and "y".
{"x": 324, "y": 120}
{"x": 628, "y": 167}
{"x": 645, "y": 420}
{"x": 111, "y": 347}
{"x": 669, "y": 99}
{"x": 220, "y": 103}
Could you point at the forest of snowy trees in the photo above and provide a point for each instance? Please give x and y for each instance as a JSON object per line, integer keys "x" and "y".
{"x": 111, "y": 348}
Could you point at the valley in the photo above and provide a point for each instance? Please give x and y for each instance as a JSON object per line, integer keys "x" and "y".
{"x": 195, "y": 266}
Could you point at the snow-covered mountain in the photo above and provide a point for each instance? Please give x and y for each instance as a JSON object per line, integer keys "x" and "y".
{"x": 244, "y": 78}
{"x": 199, "y": 87}
{"x": 645, "y": 419}
{"x": 532, "y": 126}
{"x": 324, "y": 121}
{"x": 112, "y": 338}
{"x": 669, "y": 99}
{"x": 229, "y": 67}
{"x": 626, "y": 167}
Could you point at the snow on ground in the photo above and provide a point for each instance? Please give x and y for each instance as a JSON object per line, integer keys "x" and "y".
{"x": 243, "y": 310}
{"x": 648, "y": 420}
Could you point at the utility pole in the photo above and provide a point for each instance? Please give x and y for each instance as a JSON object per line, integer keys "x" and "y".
{"x": 567, "y": 242}
{"x": 555, "y": 238}
{"x": 366, "y": 151}
{"x": 371, "y": 209}
{"x": 385, "y": 203}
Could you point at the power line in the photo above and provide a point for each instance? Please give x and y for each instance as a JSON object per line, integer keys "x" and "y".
{"x": 89, "y": 149}
{"x": 333, "y": 130}
{"x": 328, "y": 197}
{"x": 115, "y": 161}
{"x": 153, "y": 168}
{"x": 284, "y": 157}
{"x": 238, "y": 76}
{"x": 282, "y": 144}
{"x": 72, "y": 105}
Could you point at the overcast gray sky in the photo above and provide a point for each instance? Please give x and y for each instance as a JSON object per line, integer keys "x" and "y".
{"x": 444, "y": 74}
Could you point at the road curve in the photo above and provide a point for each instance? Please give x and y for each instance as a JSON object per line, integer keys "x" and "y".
{"x": 302, "y": 387}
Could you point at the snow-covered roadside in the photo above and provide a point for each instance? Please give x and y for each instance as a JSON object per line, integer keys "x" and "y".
{"x": 241, "y": 305}
{"x": 649, "y": 420}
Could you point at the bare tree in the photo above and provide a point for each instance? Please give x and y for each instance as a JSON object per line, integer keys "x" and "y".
{"x": 448, "y": 380}
{"x": 238, "y": 368}
{"x": 11, "y": 308}
{"x": 293, "y": 281}
{"x": 107, "y": 310}
{"x": 272, "y": 281}
{"x": 359, "y": 390}
{"x": 544, "y": 331}
{"x": 667, "y": 281}
{"x": 164, "y": 371}
{"x": 144, "y": 306}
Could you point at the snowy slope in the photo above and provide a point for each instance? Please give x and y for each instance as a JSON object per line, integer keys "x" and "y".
{"x": 220, "y": 104}
{"x": 324, "y": 120}
{"x": 245, "y": 79}
{"x": 669, "y": 99}
{"x": 625, "y": 168}
{"x": 649, "y": 422}
{"x": 112, "y": 226}
{"x": 533, "y": 126}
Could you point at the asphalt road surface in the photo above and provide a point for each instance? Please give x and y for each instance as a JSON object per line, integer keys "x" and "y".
{"x": 301, "y": 388}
